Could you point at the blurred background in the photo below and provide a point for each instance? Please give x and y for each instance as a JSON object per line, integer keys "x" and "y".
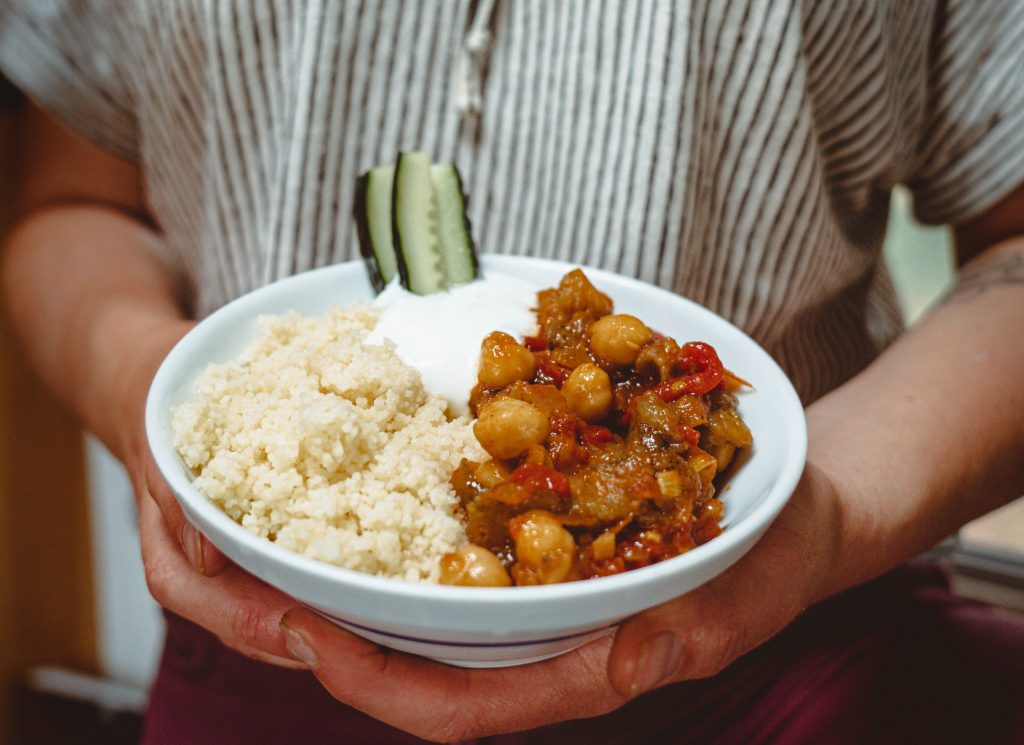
{"x": 79, "y": 635}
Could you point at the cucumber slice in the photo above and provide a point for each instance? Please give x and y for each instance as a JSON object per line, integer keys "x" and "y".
{"x": 458, "y": 256}
{"x": 415, "y": 228}
{"x": 411, "y": 219}
{"x": 373, "y": 223}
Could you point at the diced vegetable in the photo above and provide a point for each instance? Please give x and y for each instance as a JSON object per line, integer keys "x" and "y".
{"x": 707, "y": 374}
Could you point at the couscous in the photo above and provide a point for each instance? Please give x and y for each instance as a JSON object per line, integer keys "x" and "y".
{"x": 329, "y": 447}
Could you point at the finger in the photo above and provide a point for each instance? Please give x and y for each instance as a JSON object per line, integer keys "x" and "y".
{"x": 439, "y": 702}
{"x": 699, "y": 634}
{"x": 204, "y": 557}
{"x": 240, "y": 609}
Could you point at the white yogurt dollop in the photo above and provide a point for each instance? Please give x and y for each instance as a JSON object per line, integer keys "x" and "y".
{"x": 440, "y": 334}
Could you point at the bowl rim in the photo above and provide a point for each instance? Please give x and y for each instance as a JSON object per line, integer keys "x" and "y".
{"x": 173, "y": 470}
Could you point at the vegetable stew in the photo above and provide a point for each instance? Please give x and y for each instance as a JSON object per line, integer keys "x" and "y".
{"x": 605, "y": 439}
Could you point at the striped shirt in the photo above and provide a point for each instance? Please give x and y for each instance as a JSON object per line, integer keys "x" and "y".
{"x": 739, "y": 152}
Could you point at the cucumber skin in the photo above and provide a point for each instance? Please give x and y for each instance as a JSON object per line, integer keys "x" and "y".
{"x": 469, "y": 226}
{"x": 403, "y": 266}
{"x": 363, "y": 232}
{"x": 403, "y": 270}
{"x": 474, "y": 259}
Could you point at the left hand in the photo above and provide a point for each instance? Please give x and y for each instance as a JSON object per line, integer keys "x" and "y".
{"x": 693, "y": 636}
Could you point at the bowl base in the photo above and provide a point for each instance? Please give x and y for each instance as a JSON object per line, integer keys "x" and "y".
{"x": 482, "y": 654}
{"x": 484, "y": 664}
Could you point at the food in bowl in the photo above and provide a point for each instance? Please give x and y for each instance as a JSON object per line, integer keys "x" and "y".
{"x": 323, "y": 439}
{"x": 329, "y": 447}
{"x": 487, "y": 626}
{"x": 604, "y": 439}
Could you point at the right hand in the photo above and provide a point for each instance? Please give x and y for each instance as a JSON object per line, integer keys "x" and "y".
{"x": 185, "y": 573}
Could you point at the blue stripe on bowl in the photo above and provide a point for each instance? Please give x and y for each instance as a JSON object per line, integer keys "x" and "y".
{"x": 437, "y": 643}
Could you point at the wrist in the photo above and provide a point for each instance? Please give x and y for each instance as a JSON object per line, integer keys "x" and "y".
{"x": 814, "y": 519}
{"x": 859, "y": 524}
{"x": 837, "y": 567}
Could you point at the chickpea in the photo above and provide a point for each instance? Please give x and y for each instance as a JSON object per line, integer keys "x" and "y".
{"x": 588, "y": 390}
{"x": 544, "y": 549}
{"x": 617, "y": 339}
{"x": 503, "y": 361}
{"x": 507, "y": 427}
{"x": 473, "y": 566}
{"x": 538, "y": 455}
{"x": 491, "y": 473}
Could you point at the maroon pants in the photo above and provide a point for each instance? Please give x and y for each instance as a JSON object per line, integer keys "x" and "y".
{"x": 899, "y": 660}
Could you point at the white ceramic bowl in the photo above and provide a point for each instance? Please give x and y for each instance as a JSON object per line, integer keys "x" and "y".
{"x": 490, "y": 627}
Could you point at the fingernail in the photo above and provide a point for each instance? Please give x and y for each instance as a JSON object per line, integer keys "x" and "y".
{"x": 659, "y": 658}
{"x": 298, "y": 647}
{"x": 192, "y": 543}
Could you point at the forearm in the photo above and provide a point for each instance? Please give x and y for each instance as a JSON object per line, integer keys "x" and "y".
{"x": 930, "y": 435}
{"x": 88, "y": 294}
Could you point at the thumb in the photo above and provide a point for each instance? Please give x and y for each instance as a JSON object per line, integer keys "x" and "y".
{"x": 699, "y": 634}
{"x": 694, "y": 636}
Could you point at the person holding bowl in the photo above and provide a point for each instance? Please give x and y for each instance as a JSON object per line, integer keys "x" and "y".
{"x": 741, "y": 154}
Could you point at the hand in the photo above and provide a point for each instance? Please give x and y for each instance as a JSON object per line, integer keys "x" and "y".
{"x": 694, "y": 636}
{"x": 185, "y": 573}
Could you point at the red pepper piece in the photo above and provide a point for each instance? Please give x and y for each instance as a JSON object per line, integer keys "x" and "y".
{"x": 562, "y": 424}
{"x": 535, "y": 343}
{"x": 594, "y": 434}
{"x": 614, "y": 565}
{"x": 627, "y": 415}
{"x": 555, "y": 373}
{"x": 541, "y": 478}
{"x": 708, "y": 373}
{"x": 689, "y": 435}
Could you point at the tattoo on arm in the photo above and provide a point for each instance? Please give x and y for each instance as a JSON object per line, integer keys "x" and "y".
{"x": 978, "y": 280}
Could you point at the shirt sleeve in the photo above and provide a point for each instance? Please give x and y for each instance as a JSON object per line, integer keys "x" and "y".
{"x": 971, "y": 149}
{"x": 72, "y": 58}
